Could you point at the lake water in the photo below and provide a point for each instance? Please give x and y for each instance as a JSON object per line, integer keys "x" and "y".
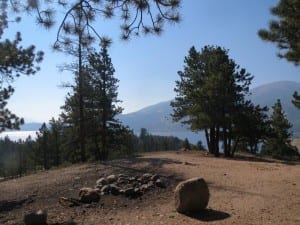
{"x": 192, "y": 137}
{"x": 17, "y": 135}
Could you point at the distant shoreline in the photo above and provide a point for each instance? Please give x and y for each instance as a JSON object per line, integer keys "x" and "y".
{"x": 18, "y": 135}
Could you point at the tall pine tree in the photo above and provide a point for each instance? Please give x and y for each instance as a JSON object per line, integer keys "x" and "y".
{"x": 279, "y": 144}
{"x": 14, "y": 61}
{"x": 210, "y": 93}
{"x": 284, "y": 31}
{"x": 102, "y": 108}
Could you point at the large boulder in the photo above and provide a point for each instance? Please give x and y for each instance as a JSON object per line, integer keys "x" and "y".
{"x": 88, "y": 195}
{"x": 191, "y": 195}
{"x": 36, "y": 218}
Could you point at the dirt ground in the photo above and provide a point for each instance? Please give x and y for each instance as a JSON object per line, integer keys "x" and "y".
{"x": 244, "y": 191}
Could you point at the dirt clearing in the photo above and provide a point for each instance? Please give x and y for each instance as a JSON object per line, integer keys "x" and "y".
{"x": 242, "y": 191}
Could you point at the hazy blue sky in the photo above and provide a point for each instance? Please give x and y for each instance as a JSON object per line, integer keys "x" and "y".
{"x": 147, "y": 66}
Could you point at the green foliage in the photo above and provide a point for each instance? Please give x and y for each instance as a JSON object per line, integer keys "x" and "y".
{"x": 149, "y": 143}
{"x": 147, "y": 16}
{"x": 285, "y": 30}
{"x": 279, "y": 144}
{"x": 210, "y": 95}
{"x": 296, "y": 100}
{"x": 186, "y": 144}
{"x": 252, "y": 126}
{"x": 199, "y": 146}
{"x": 14, "y": 61}
{"x": 17, "y": 158}
{"x": 96, "y": 88}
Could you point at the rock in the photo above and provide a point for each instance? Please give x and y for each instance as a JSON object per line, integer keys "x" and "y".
{"x": 137, "y": 192}
{"x": 145, "y": 178}
{"x": 105, "y": 189}
{"x": 36, "y": 218}
{"x": 191, "y": 195}
{"x": 154, "y": 177}
{"x": 144, "y": 187}
{"x": 102, "y": 181}
{"x": 111, "y": 178}
{"x": 150, "y": 184}
{"x": 131, "y": 179}
{"x": 129, "y": 192}
{"x": 114, "y": 189}
{"x": 88, "y": 195}
{"x": 160, "y": 183}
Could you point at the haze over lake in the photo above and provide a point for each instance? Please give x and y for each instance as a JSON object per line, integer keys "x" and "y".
{"x": 17, "y": 135}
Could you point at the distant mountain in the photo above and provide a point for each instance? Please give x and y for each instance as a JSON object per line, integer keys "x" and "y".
{"x": 269, "y": 93}
{"x": 30, "y": 126}
{"x": 157, "y": 120}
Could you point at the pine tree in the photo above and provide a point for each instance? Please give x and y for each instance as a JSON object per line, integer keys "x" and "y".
{"x": 210, "y": 93}
{"x": 43, "y": 150}
{"x": 102, "y": 103}
{"x": 296, "y": 100}
{"x": 252, "y": 127}
{"x": 186, "y": 144}
{"x": 279, "y": 144}
{"x": 14, "y": 61}
{"x": 285, "y": 30}
{"x": 146, "y": 16}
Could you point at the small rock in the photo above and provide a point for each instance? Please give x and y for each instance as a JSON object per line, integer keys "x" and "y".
{"x": 146, "y": 177}
{"x": 114, "y": 189}
{"x": 102, "y": 181}
{"x": 160, "y": 183}
{"x": 129, "y": 192}
{"x": 154, "y": 177}
{"x": 88, "y": 195}
{"x": 111, "y": 178}
{"x": 150, "y": 184}
{"x": 36, "y": 218}
{"x": 105, "y": 189}
{"x": 144, "y": 187}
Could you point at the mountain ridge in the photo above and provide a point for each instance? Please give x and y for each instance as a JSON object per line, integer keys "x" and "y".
{"x": 156, "y": 118}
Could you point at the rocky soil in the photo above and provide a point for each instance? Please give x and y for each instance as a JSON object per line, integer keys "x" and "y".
{"x": 246, "y": 190}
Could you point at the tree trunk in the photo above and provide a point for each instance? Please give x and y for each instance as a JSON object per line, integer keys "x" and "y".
{"x": 207, "y": 140}
{"x": 81, "y": 101}
{"x": 217, "y": 139}
{"x": 212, "y": 140}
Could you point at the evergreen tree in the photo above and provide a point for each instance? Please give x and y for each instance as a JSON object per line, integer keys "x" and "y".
{"x": 285, "y": 30}
{"x": 210, "y": 94}
{"x": 296, "y": 100}
{"x": 147, "y": 16}
{"x": 43, "y": 152}
{"x": 279, "y": 144}
{"x": 186, "y": 144}
{"x": 56, "y": 131}
{"x": 252, "y": 127}
{"x": 102, "y": 103}
{"x": 14, "y": 61}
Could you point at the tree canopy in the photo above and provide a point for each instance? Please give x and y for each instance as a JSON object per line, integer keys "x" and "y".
{"x": 15, "y": 60}
{"x": 285, "y": 30}
{"x": 278, "y": 144}
{"x": 146, "y": 16}
{"x": 210, "y": 95}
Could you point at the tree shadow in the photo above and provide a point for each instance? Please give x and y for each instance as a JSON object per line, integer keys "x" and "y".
{"x": 208, "y": 215}
{"x": 257, "y": 158}
{"x": 6, "y": 206}
{"x": 147, "y": 165}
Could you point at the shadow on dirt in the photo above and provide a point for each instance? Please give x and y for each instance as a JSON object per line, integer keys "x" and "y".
{"x": 147, "y": 165}
{"x": 209, "y": 215}
{"x": 6, "y": 206}
{"x": 254, "y": 158}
